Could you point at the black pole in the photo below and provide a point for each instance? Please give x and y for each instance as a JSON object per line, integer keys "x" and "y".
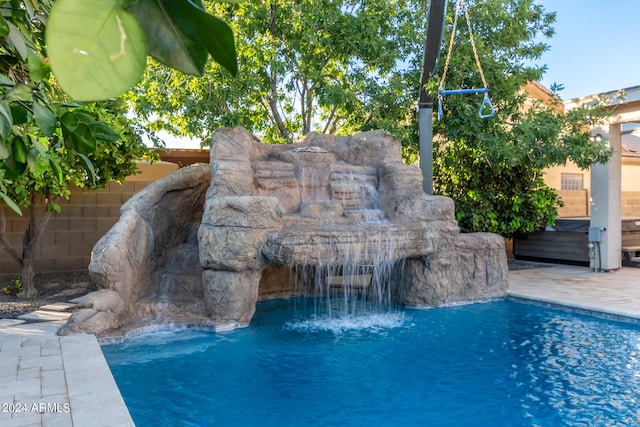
{"x": 435, "y": 28}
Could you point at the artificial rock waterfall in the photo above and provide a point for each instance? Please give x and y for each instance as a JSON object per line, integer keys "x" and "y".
{"x": 207, "y": 242}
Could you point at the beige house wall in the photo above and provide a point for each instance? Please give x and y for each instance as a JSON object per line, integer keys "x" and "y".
{"x": 576, "y": 203}
{"x": 70, "y": 236}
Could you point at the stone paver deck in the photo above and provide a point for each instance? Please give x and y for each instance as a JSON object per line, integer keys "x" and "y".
{"x": 612, "y": 294}
{"x": 47, "y": 380}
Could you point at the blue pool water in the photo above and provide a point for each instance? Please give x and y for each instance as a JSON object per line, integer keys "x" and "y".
{"x": 494, "y": 364}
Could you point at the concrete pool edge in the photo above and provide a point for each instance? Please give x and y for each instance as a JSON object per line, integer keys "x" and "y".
{"x": 611, "y": 295}
{"x": 55, "y": 380}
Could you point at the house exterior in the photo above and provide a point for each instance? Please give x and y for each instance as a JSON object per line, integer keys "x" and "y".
{"x": 573, "y": 184}
{"x": 607, "y": 195}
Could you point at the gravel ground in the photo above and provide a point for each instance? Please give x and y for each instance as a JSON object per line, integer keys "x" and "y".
{"x": 52, "y": 287}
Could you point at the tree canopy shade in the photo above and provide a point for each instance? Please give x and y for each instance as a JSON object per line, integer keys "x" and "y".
{"x": 47, "y": 142}
{"x": 326, "y": 66}
{"x": 346, "y": 66}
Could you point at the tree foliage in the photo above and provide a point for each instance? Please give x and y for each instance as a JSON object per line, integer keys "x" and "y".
{"x": 493, "y": 168}
{"x": 47, "y": 142}
{"x": 346, "y": 66}
{"x": 328, "y": 66}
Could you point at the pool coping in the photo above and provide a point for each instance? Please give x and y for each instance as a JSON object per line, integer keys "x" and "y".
{"x": 49, "y": 380}
{"x": 70, "y": 383}
{"x": 613, "y": 295}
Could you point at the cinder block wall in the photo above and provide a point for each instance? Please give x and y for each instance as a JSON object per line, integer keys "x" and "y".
{"x": 70, "y": 235}
{"x": 577, "y": 203}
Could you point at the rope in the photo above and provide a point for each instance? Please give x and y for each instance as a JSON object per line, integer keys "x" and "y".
{"x": 486, "y": 103}
{"x": 450, "y": 50}
{"x": 473, "y": 45}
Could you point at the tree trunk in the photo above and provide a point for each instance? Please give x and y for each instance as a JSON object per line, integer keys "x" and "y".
{"x": 31, "y": 241}
{"x": 28, "y": 287}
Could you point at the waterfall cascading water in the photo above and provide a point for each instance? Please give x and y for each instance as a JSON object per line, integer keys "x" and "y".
{"x": 343, "y": 213}
{"x": 359, "y": 278}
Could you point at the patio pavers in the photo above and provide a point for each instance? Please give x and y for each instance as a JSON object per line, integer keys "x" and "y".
{"x": 47, "y": 380}
{"x": 615, "y": 293}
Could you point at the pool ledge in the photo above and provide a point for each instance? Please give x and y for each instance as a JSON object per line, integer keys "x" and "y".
{"x": 49, "y": 380}
{"x": 614, "y": 295}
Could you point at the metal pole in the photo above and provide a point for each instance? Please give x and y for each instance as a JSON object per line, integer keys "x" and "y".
{"x": 425, "y": 129}
{"x": 435, "y": 28}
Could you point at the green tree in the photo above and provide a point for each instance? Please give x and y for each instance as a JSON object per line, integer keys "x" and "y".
{"x": 493, "y": 167}
{"x": 46, "y": 142}
{"x": 345, "y": 66}
{"x": 327, "y": 66}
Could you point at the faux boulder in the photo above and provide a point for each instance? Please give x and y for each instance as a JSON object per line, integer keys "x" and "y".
{"x": 204, "y": 244}
{"x": 333, "y": 201}
{"x": 125, "y": 260}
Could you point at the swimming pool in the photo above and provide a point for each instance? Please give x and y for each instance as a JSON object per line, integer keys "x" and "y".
{"x": 494, "y": 364}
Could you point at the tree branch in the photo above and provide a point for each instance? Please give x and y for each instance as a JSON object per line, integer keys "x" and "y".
{"x": 330, "y": 119}
{"x": 273, "y": 97}
{"x": 42, "y": 224}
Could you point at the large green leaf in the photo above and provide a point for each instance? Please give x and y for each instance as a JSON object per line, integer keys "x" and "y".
{"x": 19, "y": 92}
{"x": 215, "y": 34}
{"x": 177, "y": 47}
{"x": 37, "y": 68}
{"x": 4, "y": 27}
{"x": 180, "y": 33}
{"x": 38, "y": 162}
{"x": 88, "y": 166}
{"x": 10, "y": 203}
{"x": 6, "y": 120}
{"x": 14, "y": 168}
{"x": 76, "y": 129}
{"x": 45, "y": 119}
{"x": 104, "y": 132}
{"x": 19, "y": 114}
{"x": 5, "y": 152}
{"x": 16, "y": 39}
{"x": 96, "y": 49}
{"x": 56, "y": 168}
{"x": 19, "y": 150}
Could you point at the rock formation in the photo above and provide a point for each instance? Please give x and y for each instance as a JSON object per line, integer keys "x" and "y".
{"x": 334, "y": 201}
{"x": 271, "y": 210}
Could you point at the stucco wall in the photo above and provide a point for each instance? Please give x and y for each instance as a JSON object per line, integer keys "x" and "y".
{"x": 70, "y": 236}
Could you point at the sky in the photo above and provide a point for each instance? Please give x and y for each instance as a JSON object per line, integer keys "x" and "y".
{"x": 596, "y": 47}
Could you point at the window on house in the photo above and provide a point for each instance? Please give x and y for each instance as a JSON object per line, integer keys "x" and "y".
{"x": 571, "y": 181}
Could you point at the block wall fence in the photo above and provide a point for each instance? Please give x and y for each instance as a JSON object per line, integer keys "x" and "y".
{"x": 69, "y": 238}
{"x": 578, "y": 203}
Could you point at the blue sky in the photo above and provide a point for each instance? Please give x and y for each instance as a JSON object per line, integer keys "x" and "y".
{"x": 596, "y": 47}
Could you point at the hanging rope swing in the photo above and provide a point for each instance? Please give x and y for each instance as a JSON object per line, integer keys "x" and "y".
{"x": 486, "y": 102}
